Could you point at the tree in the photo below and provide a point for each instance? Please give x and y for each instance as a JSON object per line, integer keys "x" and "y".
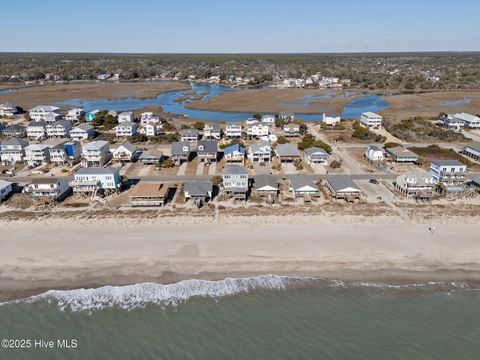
{"x": 199, "y": 125}
{"x": 335, "y": 164}
{"x": 257, "y": 116}
{"x": 309, "y": 141}
{"x": 217, "y": 179}
{"x": 282, "y": 140}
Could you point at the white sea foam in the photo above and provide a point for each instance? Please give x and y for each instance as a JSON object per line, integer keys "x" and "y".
{"x": 140, "y": 295}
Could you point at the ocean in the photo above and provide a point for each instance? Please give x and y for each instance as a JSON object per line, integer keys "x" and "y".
{"x": 267, "y": 317}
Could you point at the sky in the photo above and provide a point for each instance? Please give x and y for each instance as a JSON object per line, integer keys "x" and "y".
{"x": 239, "y": 26}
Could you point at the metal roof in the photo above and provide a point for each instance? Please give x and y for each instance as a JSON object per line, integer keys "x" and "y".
{"x": 315, "y": 150}
{"x": 287, "y": 150}
{"x": 265, "y": 180}
{"x": 447, "y": 163}
{"x": 97, "y": 171}
{"x": 177, "y": 147}
{"x": 299, "y": 181}
{"x": 234, "y": 170}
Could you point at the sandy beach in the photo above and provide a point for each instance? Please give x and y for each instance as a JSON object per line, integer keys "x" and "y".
{"x": 65, "y": 253}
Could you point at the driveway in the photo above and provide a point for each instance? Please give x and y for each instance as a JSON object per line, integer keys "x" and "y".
{"x": 289, "y": 168}
{"x": 212, "y": 169}
{"x": 318, "y": 168}
{"x": 260, "y": 170}
{"x": 182, "y": 168}
{"x": 200, "y": 168}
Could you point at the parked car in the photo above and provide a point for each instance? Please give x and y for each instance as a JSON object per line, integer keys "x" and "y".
{"x": 374, "y": 181}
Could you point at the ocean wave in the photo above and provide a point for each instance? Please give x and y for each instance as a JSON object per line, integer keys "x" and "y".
{"x": 140, "y": 295}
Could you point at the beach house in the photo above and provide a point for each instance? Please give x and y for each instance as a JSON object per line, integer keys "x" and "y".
{"x": 149, "y": 194}
{"x": 125, "y": 152}
{"x": 303, "y": 186}
{"x": 125, "y": 129}
{"x": 5, "y": 189}
{"x": 93, "y": 180}
{"x": 36, "y": 130}
{"x": 371, "y": 119}
{"x": 37, "y": 154}
{"x": 315, "y": 155}
{"x": 233, "y": 130}
{"x": 452, "y": 123}
{"x": 190, "y": 135}
{"x": 64, "y": 153}
{"x": 90, "y": 116}
{"x": 234, "y": 154}
{"x": 207, "y": 150}
{"x": 49, "y": 188}
{"x": 400, "y": 154}
{"x": 469, "y": 121}
{"x": 235, "y": 182}
{"x": 291, "y": 130}
{"x": 268, "y": 119}
{"x": 58, "y": 129}
{"x": 126, "y": 116}
{"x": 95, "y": 153}
{"x": 45, "y": 113}
{"x": 260, "y": 152}
{"x": 150, "y": 129}
{"x": 13, "y": 150}
{"x": 418, "y": 184}
{"x": 266, "y": 185}
{"x": 8, "y": 109}
{"x": 151, "y": 157}
{"x": 180, "y": 152}
{"x": 343, "y": 188}
{"x": 472, "y": 151}
{"x": 287, "y": 153}
{"x": 82, "y": 132}
{"x": 374, "y": 154}
{"x": 330, "y": 120}
{"x": 149, "y": 117}
{"x": 14, "y": 131}
{"x": 448, "y": 175}
{"x": 256, "y": 129}
{"x": 198, "y": 190}
{"x": 74, "y": 114}
{"x": 212, "y": 132}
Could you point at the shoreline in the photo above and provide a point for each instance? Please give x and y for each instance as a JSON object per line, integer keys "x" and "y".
{"x": 43, "y": 255}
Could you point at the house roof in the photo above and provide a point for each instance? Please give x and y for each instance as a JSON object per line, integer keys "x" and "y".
{"x": 342, "y": 183}
{"x": 97, "y": 171}
{"x": 85, "y": 127}
{"x": 300, "y": 181}
{"x": 48, "y": 108}
{"x": 14, "y": 128}
{"x": 190, "y": 132}
{"x": 474, "y": 146}
{"x": 234, "y": 123}
{"x": 198, "y": 187}
{"x": 209, "y": 146}
{"x": 126, "y": 123}
{"x": 37, "y": 124}
{"x": 4, "y": 184}
{"x": 127, "y": 145}
{"x": 94, "y": 145}
{"x": 265, "y": 180}
{"x": 64, "y": 123}
{"x": 447, "y": 163}
{"x": 370, "y": 114}
{"x": 315, "y": 150}
{"x": 233, "y": 148}
{"x": 374, "y": 148}
{"x": 148, "y": 189}
{"x": 15, "y": 141}
{"x": 154, "y": 153}
{"x": 126, "y": 113}
{"x": 234, "y": 170}
{"x": 400, "y": 151}
{"x": 214, "y": 127}
{"x": 287, "y": 150}
{"x": 45, "y": 180}
{"x": 37, "y": 147}
{"x": 420, "y": 175}
{"x": 467, "y": 117}
{"x": 257, "y": 147}
{"x": 177, "y": 147}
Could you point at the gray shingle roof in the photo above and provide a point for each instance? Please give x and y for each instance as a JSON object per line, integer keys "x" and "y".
{"x": 287, "y": 150}
{"x": 15, "y": 141}
{"x": 399, "y": 151}
{"x": 447, "y": 163}
{"x": 189, "y": 132}
{"x": 198, "y": 188}
{"x": 97, "y": 171}
{"x": 313, "y": 150}
{"x": 235, "y": 170}
{"x": 85, "y": 127}
{"x": 209, "y": 146}
{"x": 127, "y": 145}
{"x": 341, "y": 182}
{"x": 177, "y": 147}
{"x": 265, "y": 180}
{"x": 299, "y": 180}
{"x": 475, "y": 146}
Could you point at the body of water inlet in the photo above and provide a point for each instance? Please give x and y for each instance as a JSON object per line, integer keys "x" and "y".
{"x": 170, "y": 103}
{"x": 267, "y": 317}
